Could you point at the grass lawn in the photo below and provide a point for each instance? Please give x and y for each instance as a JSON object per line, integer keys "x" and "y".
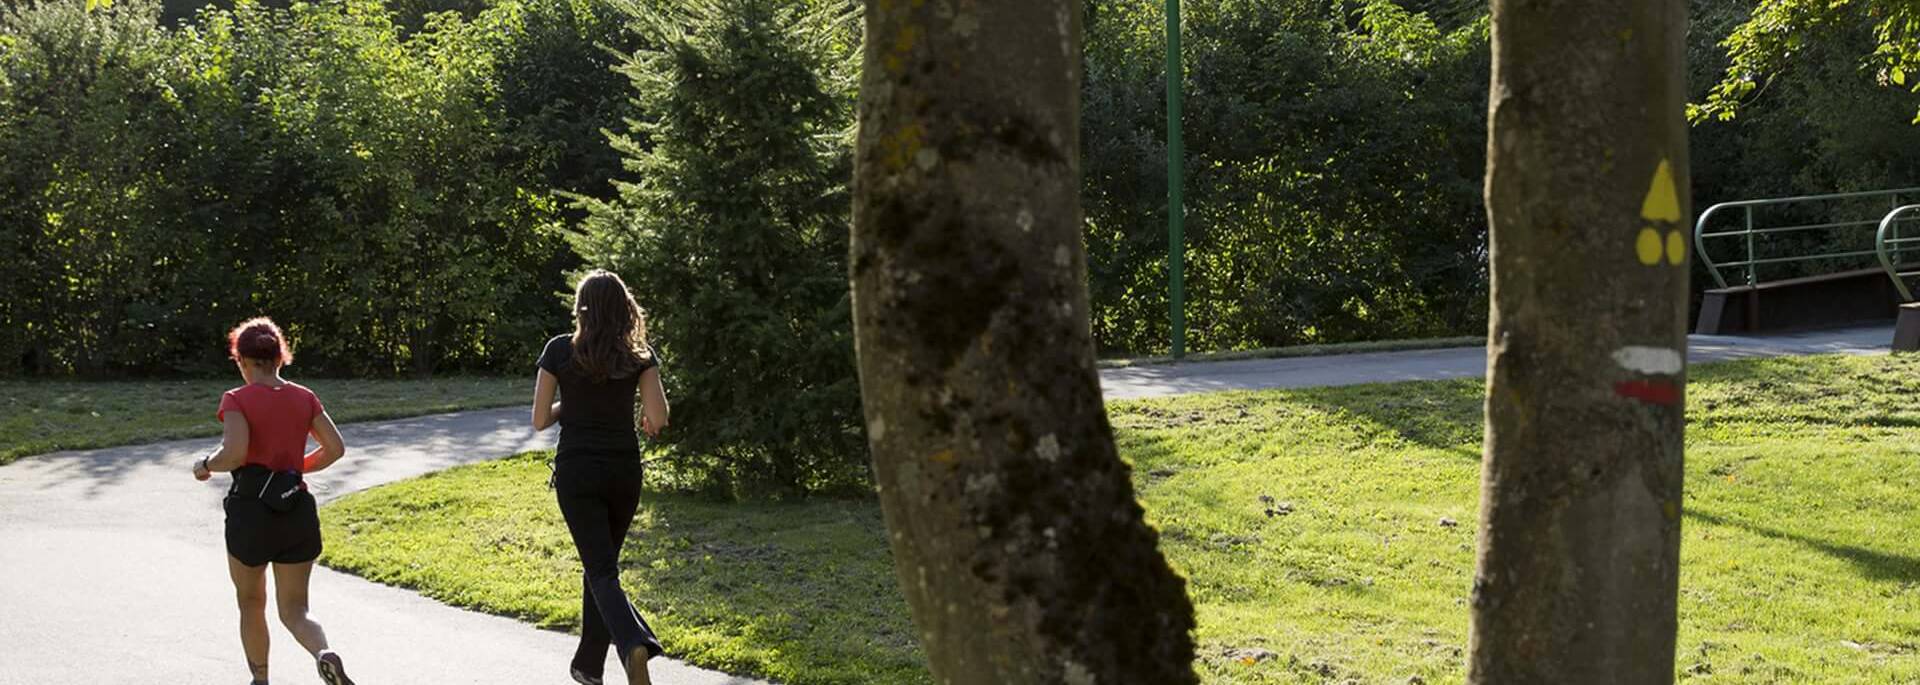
{"x": 1314, "y": 350}
{"x": 1801, "y": 554}
{"x": 37, "y": 417}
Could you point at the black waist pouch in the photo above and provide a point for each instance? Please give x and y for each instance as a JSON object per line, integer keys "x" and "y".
{"x": 279, "y": 490}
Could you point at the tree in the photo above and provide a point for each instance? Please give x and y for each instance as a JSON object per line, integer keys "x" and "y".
{"x": 1578, "y": 568}
{"x": 1779, "y": 32}
{"x": 89, "y": 230}
{"x": 373, "y": 216}
{"x": 1335, "y": 155}
{"x": 559, "y": 89}
{"x": 734, "y": 235}
{"x": 157, "y": 184}
{"x": 1022, "y": 552}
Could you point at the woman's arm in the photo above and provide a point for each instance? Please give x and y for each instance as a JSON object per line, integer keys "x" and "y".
{"x": 232, "y": 453}
{"x": 653, "y": 403}
{"x": 331, "y": 449}
{"x": 546, "y": 412}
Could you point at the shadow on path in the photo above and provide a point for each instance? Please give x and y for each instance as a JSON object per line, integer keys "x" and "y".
{"x": 377, "y": 453}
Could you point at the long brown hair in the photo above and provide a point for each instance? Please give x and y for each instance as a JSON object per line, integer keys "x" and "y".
{"x": 610, "y": 329}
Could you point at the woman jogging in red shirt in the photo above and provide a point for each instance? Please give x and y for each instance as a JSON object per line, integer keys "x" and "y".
{"x": 271, "y": 518}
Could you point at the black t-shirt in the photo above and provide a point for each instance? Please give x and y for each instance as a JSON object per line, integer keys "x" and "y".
{"x": 596, "y": 418}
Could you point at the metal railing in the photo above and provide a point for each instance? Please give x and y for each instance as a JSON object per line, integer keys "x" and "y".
{"x": 1749, "y": 232}
{"x": 1888, "y": 248}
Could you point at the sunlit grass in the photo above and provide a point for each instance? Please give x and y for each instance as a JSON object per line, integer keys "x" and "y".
{"x": 1801, "y": 559}
{"x": 802, "y": 592}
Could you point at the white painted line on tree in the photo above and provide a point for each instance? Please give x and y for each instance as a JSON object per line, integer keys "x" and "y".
{"x": 1650, "y": 360}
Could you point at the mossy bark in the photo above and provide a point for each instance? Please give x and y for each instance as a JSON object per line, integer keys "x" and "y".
{"x": 1579, "y": 550}
{"x": 1018, "y": 541}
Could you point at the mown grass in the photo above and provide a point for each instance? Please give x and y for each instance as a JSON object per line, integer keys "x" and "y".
{"x": 1313, "y": 350}
{"x": 37, "y": 417}
{"x": 1801, "y": 562}
{"x": 802, "y": 591}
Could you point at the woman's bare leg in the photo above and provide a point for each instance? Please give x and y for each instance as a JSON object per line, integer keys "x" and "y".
{"x": 250, "y": 590}
{"x": 637, "y": 667}
{"x": 290, "y": 594}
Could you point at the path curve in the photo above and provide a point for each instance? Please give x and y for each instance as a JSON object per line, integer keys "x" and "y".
{"x": 112, "y": 569}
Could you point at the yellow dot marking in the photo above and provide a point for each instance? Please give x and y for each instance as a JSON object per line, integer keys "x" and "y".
{"x": 1676, "y": 248}
{"x": 1663, "y": 198}
{"x": 1649, "y": 246}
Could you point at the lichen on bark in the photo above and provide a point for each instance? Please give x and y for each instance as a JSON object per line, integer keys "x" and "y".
{"x": 1019, "y": 543}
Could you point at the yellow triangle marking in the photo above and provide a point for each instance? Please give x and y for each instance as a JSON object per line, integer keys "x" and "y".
{"x": 1663, "y": 199}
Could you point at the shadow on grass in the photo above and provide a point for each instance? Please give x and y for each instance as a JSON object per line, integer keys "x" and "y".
{"x": 803, "y": 585}
{"x": 1442, "y": 415}
{"x": 1873, "y": 564}
{"x": 1820, "y": 391}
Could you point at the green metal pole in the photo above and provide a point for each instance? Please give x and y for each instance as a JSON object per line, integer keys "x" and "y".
{"x": 1176, "y": 207}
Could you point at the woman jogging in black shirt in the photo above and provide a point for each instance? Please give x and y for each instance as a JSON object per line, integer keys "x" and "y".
{"x": 598, "y": 371}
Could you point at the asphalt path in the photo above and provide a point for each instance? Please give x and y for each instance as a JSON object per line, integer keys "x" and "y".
{"x": 1466, "y": 362}
{"x": 112, "y": 568}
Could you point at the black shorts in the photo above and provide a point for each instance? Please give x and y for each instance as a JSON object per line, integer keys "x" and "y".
{"x": 257, "y": 535}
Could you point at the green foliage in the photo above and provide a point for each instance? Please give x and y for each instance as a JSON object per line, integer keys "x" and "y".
{"x": 734, "y": 236}
{"x": 85, "y": 119}
{"x": 317, "y": 164}
{"x": 1333, "y": 164}
{"x": 1777, "y": 36}
{"x": 1817, "y": 127}
{"x": 558, "y": 89}
{"x": 396, "y": 181}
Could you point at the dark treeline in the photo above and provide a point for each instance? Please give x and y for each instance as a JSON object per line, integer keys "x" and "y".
{"x": 390, "y": 197}
{"x": 407, "y": 185}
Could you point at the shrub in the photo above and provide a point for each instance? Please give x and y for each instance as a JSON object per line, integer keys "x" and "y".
{"x": 734, "y": 236}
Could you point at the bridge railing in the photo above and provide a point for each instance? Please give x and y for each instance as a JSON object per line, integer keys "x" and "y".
{"x": 1887, "y": 244}
{"x": 1750, "y": 234}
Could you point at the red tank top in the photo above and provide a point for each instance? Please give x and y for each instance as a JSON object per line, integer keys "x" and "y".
{"x": 278, "y": 421}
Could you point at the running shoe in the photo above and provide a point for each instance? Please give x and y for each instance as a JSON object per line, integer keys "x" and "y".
{"x": 331, "y": 670}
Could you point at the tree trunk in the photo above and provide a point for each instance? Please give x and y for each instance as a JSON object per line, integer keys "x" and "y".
{"x": 1018, "y": 542}
{"x": 422, "y": 346}
{"x": 1587, "y": 196}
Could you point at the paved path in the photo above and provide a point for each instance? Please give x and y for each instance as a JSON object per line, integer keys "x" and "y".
{"x": 112, "y": 570}
{"x": 1466, "y": 362}
{"x": 111, "y": 567}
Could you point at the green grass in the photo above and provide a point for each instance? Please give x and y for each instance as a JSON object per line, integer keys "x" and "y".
{"x": 802, "y": 592}
{"x": 37, "y": 417}
{"x": 1801, "y": 560}
{"x": 1316, "y": 350}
